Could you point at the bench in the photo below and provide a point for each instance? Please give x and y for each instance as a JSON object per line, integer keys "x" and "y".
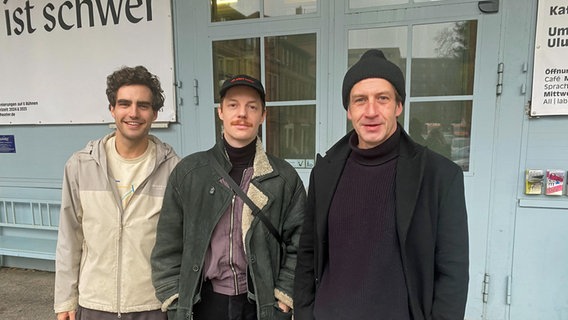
{"x": 28, "y": 228}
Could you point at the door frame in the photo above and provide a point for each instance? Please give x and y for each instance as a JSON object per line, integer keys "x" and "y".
{"x": 332, "y": 24}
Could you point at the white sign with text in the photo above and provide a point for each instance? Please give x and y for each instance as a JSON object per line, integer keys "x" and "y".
{"x": 550, "y": 77}
{"x": 55, "y": 56}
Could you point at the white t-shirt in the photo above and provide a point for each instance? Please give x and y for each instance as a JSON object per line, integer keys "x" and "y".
{"x": 129, "y": 173}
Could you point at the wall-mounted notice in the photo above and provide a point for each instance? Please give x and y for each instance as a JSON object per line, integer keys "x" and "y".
{"x": 56, "y": 55}
{"x": 550, "y": 77}
{"x": 7, "y": 144}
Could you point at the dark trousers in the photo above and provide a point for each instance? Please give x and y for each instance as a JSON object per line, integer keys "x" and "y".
{"x": 90, "y": 314}
{"x": 216, "y": 306}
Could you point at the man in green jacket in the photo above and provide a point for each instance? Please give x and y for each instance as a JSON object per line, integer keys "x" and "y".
{"x": 214, "y": 258}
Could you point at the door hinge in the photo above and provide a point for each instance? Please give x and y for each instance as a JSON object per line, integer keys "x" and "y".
{"x": 508, "y": 296}
{"x": 179, "y": 84}
{"x": 196, "y": 92}
{"x": 500, "y": 69}
{"x": 485, "y": 287}
{"x": 524, "y": 69}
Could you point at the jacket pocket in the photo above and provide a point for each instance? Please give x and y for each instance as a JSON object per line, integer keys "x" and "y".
{"x": 281, "y": 315}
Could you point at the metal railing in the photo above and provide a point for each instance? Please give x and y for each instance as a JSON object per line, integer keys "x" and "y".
{"x": 25, "y": 213}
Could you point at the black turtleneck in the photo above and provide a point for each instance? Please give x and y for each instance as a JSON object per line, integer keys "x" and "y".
{"x": 241, "y": 158}
{"x": 363, "y": 277}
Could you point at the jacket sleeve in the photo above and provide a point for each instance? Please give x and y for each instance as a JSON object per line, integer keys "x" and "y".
{"x": 304, "y": 282}
{"x": 452, "y": 254}
{"x": 69, "y": 242}
{"x": 167, "y": 253}
{"x": 291, "y": 229}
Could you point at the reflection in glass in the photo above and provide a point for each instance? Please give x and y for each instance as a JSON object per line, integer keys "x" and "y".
{"x": 443, "y": 59}
{"x": 291, "y": 132}
{"x": 391, "y": 40}
{"x": 274, "y": 8}
{"x": 356, "y": 4}
{"x": 290, "y": 67}
{"x": 227, "y": 10}
{"x": 232, "y": 57}
{"x": 444, "y": 127}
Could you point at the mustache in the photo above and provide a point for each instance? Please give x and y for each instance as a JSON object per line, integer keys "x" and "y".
{"x": 241, "y": 123}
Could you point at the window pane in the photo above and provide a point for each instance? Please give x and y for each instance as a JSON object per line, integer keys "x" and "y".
{"x": 356, "y": 4}
{"x": 274, "y": 8}
{"x": 444, "y": 127}
{"x": 443, "y": 59}
{"x": 232, "y": 57}
{"x": 391, "y": 40}
{"x": 291, "y": 134}
{"x": 226, "y": 10}
{"x": 291, "y": 67}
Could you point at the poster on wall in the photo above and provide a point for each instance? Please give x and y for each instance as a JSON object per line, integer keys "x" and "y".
{"x": 550, "y": 77}
{"x": 56, "y": 54}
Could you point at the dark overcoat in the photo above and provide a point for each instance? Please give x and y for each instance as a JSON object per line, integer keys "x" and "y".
{"x": 431, "y": 223}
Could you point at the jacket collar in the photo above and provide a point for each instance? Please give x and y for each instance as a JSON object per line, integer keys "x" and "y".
{"x": 409, "y": 175}
{"x": 261, "y": 164}
{"x": 96, "y": 148}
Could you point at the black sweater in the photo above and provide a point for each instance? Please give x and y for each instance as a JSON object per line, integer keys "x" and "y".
{"x": 241, "y": 158}
{"x": 363, "y": 278}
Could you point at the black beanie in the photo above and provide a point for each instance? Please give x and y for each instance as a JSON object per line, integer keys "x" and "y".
{"x": 373, "y": 64}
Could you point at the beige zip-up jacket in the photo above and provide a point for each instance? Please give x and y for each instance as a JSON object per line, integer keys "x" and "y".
{"x": 103, "y": 250}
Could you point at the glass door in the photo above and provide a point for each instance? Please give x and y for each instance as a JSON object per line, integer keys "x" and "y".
{"x": 301, "y": 49}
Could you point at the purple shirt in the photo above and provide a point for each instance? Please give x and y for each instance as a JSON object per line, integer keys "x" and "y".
{"x": 225, "y": 261}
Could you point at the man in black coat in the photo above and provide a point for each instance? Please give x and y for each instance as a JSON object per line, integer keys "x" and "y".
{"x": 385, "y": 232}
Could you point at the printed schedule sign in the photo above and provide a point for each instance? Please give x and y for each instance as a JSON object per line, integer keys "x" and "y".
{"x": 550, "y": 77}
{"x": 56, "y": 54}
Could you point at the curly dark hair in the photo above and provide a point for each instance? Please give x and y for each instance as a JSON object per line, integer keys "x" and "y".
{"x": 130, "y": 76}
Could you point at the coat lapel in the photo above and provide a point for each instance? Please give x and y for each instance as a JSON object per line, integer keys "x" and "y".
{"x": 409, "y": 174}
{"x": 326, "y": 180}
{"x": 327, "y": 183}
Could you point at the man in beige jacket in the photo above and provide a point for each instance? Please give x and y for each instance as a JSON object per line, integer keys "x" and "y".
{"x": 111, "y": 200}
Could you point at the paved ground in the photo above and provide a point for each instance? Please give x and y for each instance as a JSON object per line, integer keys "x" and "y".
{"x": 26, "y": 294}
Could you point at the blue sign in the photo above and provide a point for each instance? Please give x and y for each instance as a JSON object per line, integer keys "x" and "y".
{"x": 7, "y": 144}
